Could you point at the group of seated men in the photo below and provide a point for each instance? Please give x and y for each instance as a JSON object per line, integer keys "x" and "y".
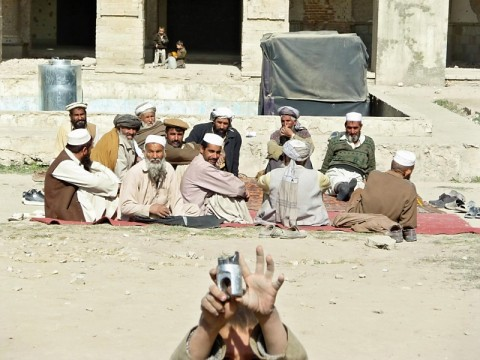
{"x": 144, "y": 167}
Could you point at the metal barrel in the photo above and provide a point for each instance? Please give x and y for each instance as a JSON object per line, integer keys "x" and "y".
{"x": 60, "y": 84}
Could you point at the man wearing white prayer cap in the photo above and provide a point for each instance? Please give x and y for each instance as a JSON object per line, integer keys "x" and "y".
{"x": 77, "y": 188}
{"x": 349, "y": 159}
{"x": 146, "y": 112}
{"x": 221, "y": 124}
{"x": 215, "y": 191}
{"x": 290, "y": 129}
{"x": 294, "y": 193}
{"x": 390, "y": 193}
{"x": 150, "y": 188}
{"x": 77, "y": 112}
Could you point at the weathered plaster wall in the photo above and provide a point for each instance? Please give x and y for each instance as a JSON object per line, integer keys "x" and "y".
{"x": 120, "y": 36}
{"x": 260, "y": 17}
{"x": 44, "y": 22}
{"x": 411, "y": 42}
{"x": 1, "y": 29}
{"x": 15, "y": 28}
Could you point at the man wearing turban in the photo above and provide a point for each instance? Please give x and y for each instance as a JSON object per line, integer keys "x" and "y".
{"x": 294, "y": 193}
{"x": 221, "y": 125}
{"x": 117, "y": 149}
{"x": 290, "y": 129}
{"x": 146, "y": 112}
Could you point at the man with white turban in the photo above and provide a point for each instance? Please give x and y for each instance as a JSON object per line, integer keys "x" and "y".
{"x": 221, "y": 125}
{"x": 290, "y": 129}
{"x": 77, "y": 112}
{"x": 390, "y": 193}
{"x": 77, "y": 188}
{"x": 146, "y": 112}
{"x": 215, "y": 191}
{"x": 150, "y": 188}
{"x": 294, "y": 193}
{"x": 349, "y": 159}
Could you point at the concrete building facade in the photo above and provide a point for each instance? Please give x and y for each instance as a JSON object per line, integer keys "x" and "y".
{"x": 409, "y": 41}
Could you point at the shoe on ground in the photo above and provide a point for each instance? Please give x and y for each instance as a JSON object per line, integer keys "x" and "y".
{"x": 345, "y": 190}
{"x": 16, "y": 217}
{"x": 272, "y": 231}
{"x": 409, "y": 234}
{"x": 293, "y": 233}
{"x": 34, "y": 198}
{"x": 396, "y": 233}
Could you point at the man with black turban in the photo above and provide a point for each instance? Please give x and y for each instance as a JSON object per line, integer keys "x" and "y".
{"x": 117, "y": 149}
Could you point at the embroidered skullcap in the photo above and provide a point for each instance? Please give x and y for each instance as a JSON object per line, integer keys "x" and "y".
{"x": 127, "y": 121}
{"x": 353, "y": 116}
{"x": 75, "y": 105}
{"x": 297, "y": 150}
{"x": 144, "y": 107}
{"x": 155, "y": 139}
{"x": 288, "y": 110}
{"x": 213, "y": 139}
{"x": 222, "y": 112}
{"x": 176, "y": 123}
{"x": 405, "y": 158}
{"x": 78, "y": 137}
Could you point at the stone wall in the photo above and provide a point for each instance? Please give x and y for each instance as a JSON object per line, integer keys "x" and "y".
{"x": 44, "y": 22}
{"x": 120, "y": 36}
{"x": 15, "y": 28}
{"x": 410, "y": 46}
{"x": 260, "y": 17}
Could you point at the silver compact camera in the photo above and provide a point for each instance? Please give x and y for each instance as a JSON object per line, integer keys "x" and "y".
{"x": 229, "y": 274}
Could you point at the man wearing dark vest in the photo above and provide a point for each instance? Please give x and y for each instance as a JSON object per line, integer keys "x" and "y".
{"x": 76, "y": 188}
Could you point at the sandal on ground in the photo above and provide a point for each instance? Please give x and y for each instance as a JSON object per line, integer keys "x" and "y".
{"x": 455, "y": 204}
{"x": 270, "y": 231}
{"x": 293, "y": 233}
{"x": 472, "y": 212}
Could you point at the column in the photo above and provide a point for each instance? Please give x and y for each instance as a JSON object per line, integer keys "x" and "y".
{"x": 410, "y": 41}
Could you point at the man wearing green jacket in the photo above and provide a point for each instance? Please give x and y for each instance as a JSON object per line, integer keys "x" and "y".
{"x": 349, "y": 159}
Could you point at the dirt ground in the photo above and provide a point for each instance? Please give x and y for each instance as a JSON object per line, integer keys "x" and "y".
{"x": 103, "y": 292}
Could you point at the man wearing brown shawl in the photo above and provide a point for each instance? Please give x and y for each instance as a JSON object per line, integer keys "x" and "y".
{"x": 117, "y": 149}
{"x": 146, "y": 112}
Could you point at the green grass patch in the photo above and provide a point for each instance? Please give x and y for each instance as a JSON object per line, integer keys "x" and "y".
{"x": 22, "y": 169}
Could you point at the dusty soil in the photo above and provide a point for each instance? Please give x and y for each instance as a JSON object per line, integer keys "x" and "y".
{"x": 103, "y": 292}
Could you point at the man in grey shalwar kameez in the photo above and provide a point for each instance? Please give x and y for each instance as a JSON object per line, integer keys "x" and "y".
{"x": 294, "y": 192}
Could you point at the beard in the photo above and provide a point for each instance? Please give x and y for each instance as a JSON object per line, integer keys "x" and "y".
{"x": 86, "y": 162}
{"x": 176, "y": 144}
{"x": 353, "y": 138}
{"x": 80, "y": 124}
{"x": 147, "y": 126}
{"x": 157, "y": 172}
{"x": 220, "y": 132}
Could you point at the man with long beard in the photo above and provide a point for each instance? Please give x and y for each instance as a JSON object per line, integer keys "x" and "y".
{"x": 350, "y": 157}
{"x": 150, "y": 188}
{"x": 221, "y": 125}
{"x": 77, "y": 112}
{"x": 117, "y": 149}
{"x": 77, "y": 188}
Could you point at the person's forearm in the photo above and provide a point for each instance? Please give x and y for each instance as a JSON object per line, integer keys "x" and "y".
{"x": 274, "y": 333}
{"x": 201, "y": 342}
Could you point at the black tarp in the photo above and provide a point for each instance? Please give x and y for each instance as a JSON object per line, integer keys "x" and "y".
{"x": 317, "y": 72}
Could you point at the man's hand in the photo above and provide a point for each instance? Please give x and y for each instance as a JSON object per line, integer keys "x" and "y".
{"x": 285, "y": 131}
{"x": 221, "y": 161}
{"x": 261, "y": 292}
{"x": 159, "y": 210}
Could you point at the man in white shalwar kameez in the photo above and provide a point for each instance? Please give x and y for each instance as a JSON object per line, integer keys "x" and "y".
{"x": 215, "y": 191}
{"x": 76, "y": 188}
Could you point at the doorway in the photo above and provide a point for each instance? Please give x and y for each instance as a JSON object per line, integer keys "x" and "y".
{"x": 76, "y": 22}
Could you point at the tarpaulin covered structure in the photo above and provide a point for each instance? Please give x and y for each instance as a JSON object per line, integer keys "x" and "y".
{"x": 317, "y": 72}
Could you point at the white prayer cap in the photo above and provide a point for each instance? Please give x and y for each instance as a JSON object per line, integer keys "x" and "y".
{"x": 297, "y": 150}
{"x": 75, "y": 105}
{"x": 155, "y": 139}
{"x": 353, "y": 116}
{"x": 78, "y": 137}
{"x": 222, "y": 112}
{"x": 405, "y": 158}
{"x": 144, "y": 107}
{"x": 288, "y": 110}
{"x": 213, "y": 139}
